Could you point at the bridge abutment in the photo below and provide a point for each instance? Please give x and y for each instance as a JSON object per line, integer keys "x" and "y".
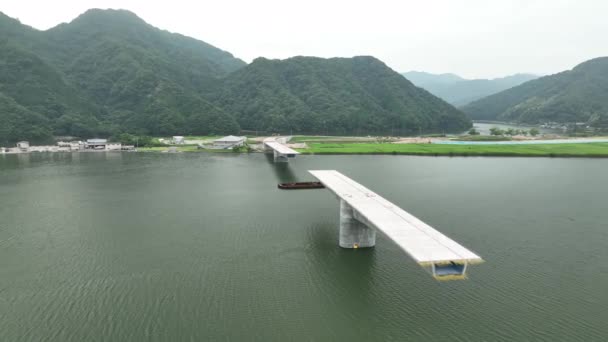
{"x": 354, "y": 233}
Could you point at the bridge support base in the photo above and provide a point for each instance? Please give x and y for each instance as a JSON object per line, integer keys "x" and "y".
{"x": 280, "y": 158}
{"x": 354, "y": 233}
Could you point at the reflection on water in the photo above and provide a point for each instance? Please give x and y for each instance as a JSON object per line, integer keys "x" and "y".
{"x": 283, "y": 171}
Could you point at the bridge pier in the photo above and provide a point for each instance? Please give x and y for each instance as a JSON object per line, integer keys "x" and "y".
{"x": 280, "y": 158}
{"x": 353, "y": 232}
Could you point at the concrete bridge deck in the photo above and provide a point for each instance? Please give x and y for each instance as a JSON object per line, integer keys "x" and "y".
{"x": 277, "y": 146}
{"x": 362, "y": 209}
{"x": 281, "y": 152}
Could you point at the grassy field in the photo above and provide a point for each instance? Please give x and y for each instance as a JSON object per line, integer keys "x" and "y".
{"x": 548, "y": 150}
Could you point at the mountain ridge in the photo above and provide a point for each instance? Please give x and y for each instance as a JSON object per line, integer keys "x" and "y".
{"x": 358, "y": 95}
{"x": 108, "y": 71}
{"x": 460, "y": 91}
{"x": 576, "y": 95}
{"x": 130, "y": 73}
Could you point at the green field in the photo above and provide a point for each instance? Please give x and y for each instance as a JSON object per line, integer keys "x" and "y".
{"x": 546, "y": 150}
{"x": 318, "y": 138}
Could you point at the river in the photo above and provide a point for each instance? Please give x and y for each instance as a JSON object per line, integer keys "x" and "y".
{"x": 204, "y": 247}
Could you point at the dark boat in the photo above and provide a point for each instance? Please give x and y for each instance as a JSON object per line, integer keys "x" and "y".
{"x": 301, "y": 185}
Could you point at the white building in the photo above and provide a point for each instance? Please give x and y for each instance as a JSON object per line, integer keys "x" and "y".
{"x": 113, "y": 147}
{"x": 75, "y": 146}
{"x": 69, "y": 146}
{"x": 178, "y": 140}
{"x": 96, "y": 144}
{"x": 229, "y": 142}
{"x": 23, "y": 145}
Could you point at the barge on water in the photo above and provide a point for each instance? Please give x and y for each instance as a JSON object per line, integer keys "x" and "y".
{"x": 301, "y": 186}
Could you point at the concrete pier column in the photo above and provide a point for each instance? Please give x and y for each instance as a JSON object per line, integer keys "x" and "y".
{"x": 280, "y": 158}
{"x": 353, "y": 233}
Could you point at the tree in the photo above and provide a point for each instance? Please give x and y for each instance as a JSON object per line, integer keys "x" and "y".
{"x": 534, "y": 132}
{"x": 473, "y": 131}
{"x": 496, "y": 131}
{"x": 126, "y": 139}
{"x": 137, "y": 140}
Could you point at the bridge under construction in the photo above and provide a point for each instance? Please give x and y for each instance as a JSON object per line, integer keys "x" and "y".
{"x": 282, "y": 153}
{"x": 362, "y": 212}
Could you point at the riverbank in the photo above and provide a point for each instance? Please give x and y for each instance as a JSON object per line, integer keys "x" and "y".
{"x": 597, "y": 150}
{"x": 426, "y": 146}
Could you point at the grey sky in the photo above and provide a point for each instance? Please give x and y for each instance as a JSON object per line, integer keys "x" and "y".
{"x": 472, "y": 38}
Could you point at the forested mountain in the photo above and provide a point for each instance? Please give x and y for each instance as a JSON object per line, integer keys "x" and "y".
{"x": 357, "y": 95}
{"x": 32, "y": 83}
{"x": 19, "y": 123}
{"x": 459, "y": 91}
{"x": 577, "y": 95}
{"x": 109, "y": 72}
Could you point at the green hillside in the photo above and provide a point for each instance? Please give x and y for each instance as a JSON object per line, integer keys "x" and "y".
{"x": 144, "y": 79}
{"x": 577, "y": 95}
{"x": 108, "y": 72}
{"x": 20, "y": 123}
{"x": 459, "y": 91}
{"x": 359, "y": 95}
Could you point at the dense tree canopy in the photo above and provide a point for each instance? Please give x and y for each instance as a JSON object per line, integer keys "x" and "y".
{"x": 577, "y": 95}
{"x": 19, "y": 123}
{"x": 359, "y": 95}
{"x": 108, "y": 72}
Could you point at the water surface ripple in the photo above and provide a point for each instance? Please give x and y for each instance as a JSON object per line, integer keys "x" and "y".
{"x": 204, "y": 247}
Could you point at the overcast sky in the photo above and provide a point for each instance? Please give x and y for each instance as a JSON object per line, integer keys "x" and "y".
{"x": 472, "y": 38}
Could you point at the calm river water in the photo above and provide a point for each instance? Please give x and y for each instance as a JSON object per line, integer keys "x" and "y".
{"x": 204, "y": 247}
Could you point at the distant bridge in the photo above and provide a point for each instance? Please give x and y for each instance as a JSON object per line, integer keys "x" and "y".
{"x": 362, "y": 212}
{"x": 281, "y": 152}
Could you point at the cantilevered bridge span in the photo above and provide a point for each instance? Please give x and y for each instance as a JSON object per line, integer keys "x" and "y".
{"x": 362, "y": 212}
{"x": 282, "y": 153}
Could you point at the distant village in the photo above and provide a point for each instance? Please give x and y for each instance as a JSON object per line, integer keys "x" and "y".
{"x": 92, "y": 145}
{"x": 72, "y": 146}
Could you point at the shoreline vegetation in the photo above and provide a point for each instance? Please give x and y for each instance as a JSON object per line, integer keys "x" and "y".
{"x": 415, "y": 146}
{"x": 331, "y": 145}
